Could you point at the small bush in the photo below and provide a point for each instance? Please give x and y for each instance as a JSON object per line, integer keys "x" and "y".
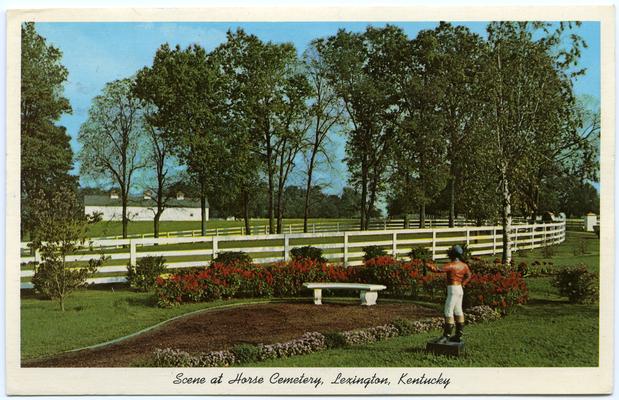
{"x": 404, "y": 326}
{"x": 420, "y": 253}
{"x": 307, "y": 253}
{"x": 466, "y": 253}
{"x": 549, "y": 251}
{"x": 582, "y": 247}
{"x": 55, "y": 280}
{"x": 144, "y": 275}
{"x": 373, "y": 252}
{"x": 577, "y": 284}
{"x": 232, "y": 257}
{"x": 334, "y": 340}
{"x": 542, "y": 268}
{"x": 245, "y": 353}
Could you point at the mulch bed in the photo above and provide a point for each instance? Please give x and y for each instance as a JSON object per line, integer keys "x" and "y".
{"x": 222, "y": 329}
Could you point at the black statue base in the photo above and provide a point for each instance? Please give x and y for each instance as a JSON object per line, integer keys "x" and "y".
{"x": 454, "y": 349}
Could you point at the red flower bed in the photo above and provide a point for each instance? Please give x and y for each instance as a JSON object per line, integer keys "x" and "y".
{"x": 500, "y": 290}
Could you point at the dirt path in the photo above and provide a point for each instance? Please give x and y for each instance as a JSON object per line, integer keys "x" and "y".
{"x": 222, "y": 329}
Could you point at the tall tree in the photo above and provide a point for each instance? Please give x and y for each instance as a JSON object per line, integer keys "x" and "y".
{"x": 112, "y": 140}
{"x": 530, "y": 101}
{"x": 326, "y": 111}
{"x": 267, "y": 96}
{"x": 573, "y": 151}
{"x": 419, "y": 163}
{"x": 182, "y": 86}
{"x": 455, "y": 54}
{"x": 46, "y": 155}
{"x": 161, "y": 167}
{"x": 360, "y": 71}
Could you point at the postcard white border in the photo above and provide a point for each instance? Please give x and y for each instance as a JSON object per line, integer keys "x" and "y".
{"x": 69, "y": 381}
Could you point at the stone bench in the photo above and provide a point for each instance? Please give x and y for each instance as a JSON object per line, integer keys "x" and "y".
{"x": 368, "y": 296}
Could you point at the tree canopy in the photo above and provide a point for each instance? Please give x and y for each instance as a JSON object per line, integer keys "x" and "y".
{"x": 46, "y": 155}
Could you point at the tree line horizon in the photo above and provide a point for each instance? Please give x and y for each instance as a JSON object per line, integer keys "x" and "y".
{"x": 447, "y": 121}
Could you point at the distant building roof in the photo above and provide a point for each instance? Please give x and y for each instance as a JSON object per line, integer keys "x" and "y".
{"x": 139, "y": 201}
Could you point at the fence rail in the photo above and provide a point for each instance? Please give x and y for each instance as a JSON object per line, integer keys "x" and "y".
{"x": 313, "y": 227}
{"x": 338, "y": 247}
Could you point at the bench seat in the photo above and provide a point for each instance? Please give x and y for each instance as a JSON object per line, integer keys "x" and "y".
{"x": 368, "y": 292}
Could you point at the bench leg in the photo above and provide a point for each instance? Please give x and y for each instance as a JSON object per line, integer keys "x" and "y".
{"x": 368, "y": 298}
{"x": 317, "y": 296}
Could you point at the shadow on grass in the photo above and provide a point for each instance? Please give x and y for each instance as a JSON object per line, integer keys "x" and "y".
{"x": 149, "y": 301}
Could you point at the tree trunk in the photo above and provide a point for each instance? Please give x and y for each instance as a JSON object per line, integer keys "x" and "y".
{"x": 452, "y": 200}
{"x": 271, "y": 185}
{"x": 364, "y": 197}
{"x": 280, "y": 209}
{"x": 422, "y": 216}
{"x": 246, "y": 212}
{"x": 373, "y": 190}
{"x": 156, "y": 222}
{"x": 125, "y": 220}
{"x": 308, "y": 188}
{"x": 507, "y": 219}
{"x": 203, "y": 214}
{"x": 407, "y": 221}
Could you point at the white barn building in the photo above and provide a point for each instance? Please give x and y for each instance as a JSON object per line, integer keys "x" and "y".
{"x": 143, "y": 208}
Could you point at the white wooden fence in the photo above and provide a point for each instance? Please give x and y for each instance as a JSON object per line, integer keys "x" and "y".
{"x": 313, "y": 227}
{"x": 338, "y": 247}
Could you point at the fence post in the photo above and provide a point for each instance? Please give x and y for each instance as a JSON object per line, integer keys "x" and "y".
{"x": 394, "y": 245}
{"x": 37, "y": 255}
{"x": 314, "y": 227}
{"x": 433, "y": 245}
{"x": 346, "y": 249}
{"x": 290, "y": 228}
{"x": 515, "y": 238}
{"x": 132, "y": 253}
{"x": 493, "y": 241}
{"x": 215, "y": 246}
{"x": 338, "y": 226}
{"x": 545, "y": 239}
{"x": 385, "y": 224}
{"x": 266, "y": 229}
{"x": 468, "y": 236}
{"x": 286, "y": 248}
{"x": 242, "y": 230}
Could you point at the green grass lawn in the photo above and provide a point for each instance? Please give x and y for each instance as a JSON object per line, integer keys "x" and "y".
{"x": 540, "y": 334}
{"x": 92, "y": 316}
{"x": 547, "y": 331}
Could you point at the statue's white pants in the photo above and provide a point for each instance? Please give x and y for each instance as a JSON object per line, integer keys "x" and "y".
{"x": 453, "y": 304}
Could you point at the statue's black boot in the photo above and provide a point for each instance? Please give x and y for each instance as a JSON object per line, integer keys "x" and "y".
{"x": 447, "y": 328}
{"x": 459, "y": 332}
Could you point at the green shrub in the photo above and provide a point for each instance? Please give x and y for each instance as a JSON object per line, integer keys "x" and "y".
{"x": 232, "y": 257}
{"x": 466, "y": 253}
{"x": 582, "y": 248}
{"x": 404, "y": 326}
{"x": 373, "y": 252}
{"x": 307, "y": 252}
{"x": 420, "y": 253}
{"x": 144, "y": 275}
{"x": 245, "y": 353}
{"x": 334, "y": 340}
{"x": 577, "y": 284}
{"x": 549, "y": 251}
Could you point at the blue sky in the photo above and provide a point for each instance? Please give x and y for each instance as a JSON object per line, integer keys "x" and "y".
{"x": 97, "y": 53}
